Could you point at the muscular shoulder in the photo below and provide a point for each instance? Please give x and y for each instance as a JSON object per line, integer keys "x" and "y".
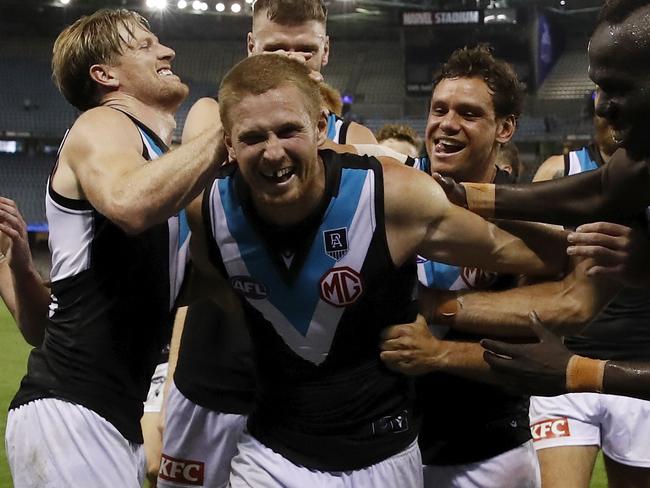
{"x": 550, "y": 169}
{"x": 410, "y": 194}
{"x": 100, "y": 129}
{"x": 359, "y": 134}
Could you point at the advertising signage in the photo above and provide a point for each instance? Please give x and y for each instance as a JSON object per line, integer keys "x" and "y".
{"x": 461, "y": 17}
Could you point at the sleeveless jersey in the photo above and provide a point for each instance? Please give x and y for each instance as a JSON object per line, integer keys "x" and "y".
{"x": 620, "y": 331}
{"x": 316, "y": 296}
{"x": 224, "y": 380}
{"x": 466, "y": 421}
{"x": 337, "y": 129}
{"x": 111, "y": 308}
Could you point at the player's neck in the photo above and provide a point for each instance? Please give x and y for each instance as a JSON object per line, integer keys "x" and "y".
{"x": 159, "y": 119}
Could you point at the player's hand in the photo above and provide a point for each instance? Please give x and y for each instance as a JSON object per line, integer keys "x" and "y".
{"x": 455, "y": 191}
{"x": 410, "y": 348}
{"x": 14, "y": 244}
{"x": 619, "y": 252}
{"x": 303, "y": 58}
{"x": 538, "y": 368}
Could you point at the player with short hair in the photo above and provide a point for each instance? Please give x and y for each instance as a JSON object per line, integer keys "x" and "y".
{"x": 217, "y": 390}
{"x": 618, "y": 190}
{"x": 589, "y": 421}
{"x": 320, "y": 248}
{"x": 118, "y": 238}
{"x": 475, "y": 104}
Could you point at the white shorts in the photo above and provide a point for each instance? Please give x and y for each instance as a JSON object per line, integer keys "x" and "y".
{"x": 255, "y": 466}
{"x": 153, "y": 404}
{"x": 198, "y": 444}
{"x": 517, "y": 468}
{"x": 52, "y": 443}
{"x": 620, "y": 425}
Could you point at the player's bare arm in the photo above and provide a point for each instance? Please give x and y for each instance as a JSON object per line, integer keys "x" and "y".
{"x": 360, "y": 134}
{"x": 547, "y": 367}
{"x": 551, "y": 169}
{"x": 102, "y": 162}
{"x": 421, "y": 220}
{"x": 615, "y": 191}
{"x": 565, "y": 305}
{"x": 412, "y": 349}
{"x": 21, "y": 286}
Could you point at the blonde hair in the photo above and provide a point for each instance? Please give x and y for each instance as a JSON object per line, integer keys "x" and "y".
{"x": 93, "y": 39}
{"x": 259, "y": 74}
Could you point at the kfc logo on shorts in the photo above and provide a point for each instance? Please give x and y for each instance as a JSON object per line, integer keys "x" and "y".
{"x": 341, "y": 286}
{"x": 550, "y": 429}
{"x": 181, "y": 471}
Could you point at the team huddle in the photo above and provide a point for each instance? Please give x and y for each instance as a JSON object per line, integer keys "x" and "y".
{"x": 280, "y": 301}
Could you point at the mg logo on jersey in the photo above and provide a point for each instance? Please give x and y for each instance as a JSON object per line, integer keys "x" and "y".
{"x": 341, "y": 286}
{"x": 550, "y": 429}
{"x": 182, "y": 471}
{"x": 477, "y": 278}
{"x": 336, "y": 243}
{"x": 248, "y": 287}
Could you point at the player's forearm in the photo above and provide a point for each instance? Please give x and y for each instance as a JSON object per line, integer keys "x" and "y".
{"x": 616, "y": 191}
{"x": 155, "y": 191}
{"x": 6, "y": 286}
{"x": 627, "y": 378}
{"x": 464, "y": 359}
{"x": 565, "y": 306}
{"x": 32, "y": 299}
{"x": 174, "y": 347}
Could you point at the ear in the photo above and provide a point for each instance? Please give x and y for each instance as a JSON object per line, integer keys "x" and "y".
{"x": 250, "y": 43}
{"x": 506, "y": 129}
{"x": 231, "y": 152}
{"x": 326, "y": 52}
{"x": 322, "y": 127}
{"x": 103, "y": 75}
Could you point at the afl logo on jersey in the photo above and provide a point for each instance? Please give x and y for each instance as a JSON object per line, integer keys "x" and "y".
{"x": 248, "y": 287}
{"x": 341, "y": 286}
{"x": 477, "y": 278}
{"x": 336, "y": 243}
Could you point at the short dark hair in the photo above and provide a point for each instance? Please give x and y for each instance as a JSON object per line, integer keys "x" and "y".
{"x": 616, "y": 11}
{"x": 500, "y": 77}
{"x": 290, "y": 12}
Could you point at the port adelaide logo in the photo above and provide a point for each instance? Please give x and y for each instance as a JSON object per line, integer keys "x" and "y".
{"x": 336, "y": 243}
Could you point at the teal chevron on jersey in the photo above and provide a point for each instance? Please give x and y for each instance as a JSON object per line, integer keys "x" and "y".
{"x": 296, "y": 301}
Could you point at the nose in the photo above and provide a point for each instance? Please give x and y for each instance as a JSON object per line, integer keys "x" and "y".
{"x": 449, "y": 122}
{"x": 167, "y": 52}
{"x": 273, "y": 151}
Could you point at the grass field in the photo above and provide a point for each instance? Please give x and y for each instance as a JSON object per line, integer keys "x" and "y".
{"x": 13, "y": 359}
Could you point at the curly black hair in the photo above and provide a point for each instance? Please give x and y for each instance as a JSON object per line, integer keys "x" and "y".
{"x": 500, "y": 77}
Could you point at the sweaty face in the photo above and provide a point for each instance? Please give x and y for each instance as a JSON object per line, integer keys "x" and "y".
{"x": 275, "y": 144}
{"x": 618, "y": 64}
{"x": 306, "y": 41}
{"x": 463, "y": 133}
{"x": 144, "y": 70}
